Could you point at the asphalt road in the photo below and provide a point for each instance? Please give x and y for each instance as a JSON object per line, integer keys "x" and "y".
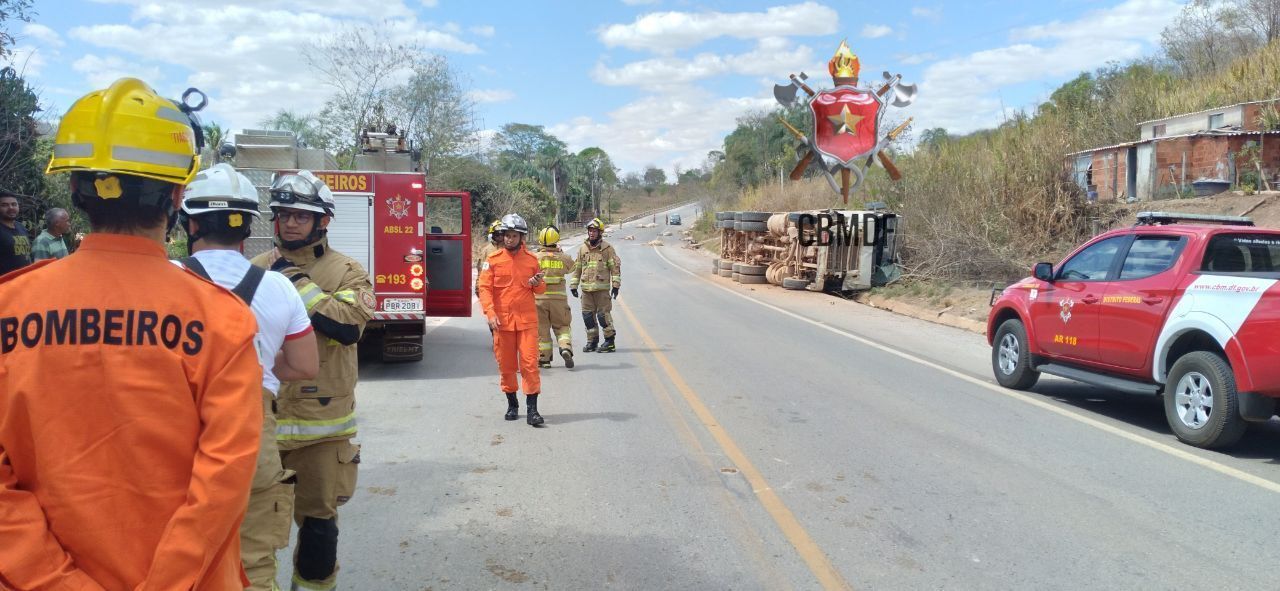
{"x": 745, "y": 437}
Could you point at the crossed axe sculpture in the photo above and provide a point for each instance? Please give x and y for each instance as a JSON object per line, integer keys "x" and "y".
{"x": 904, "y": 94}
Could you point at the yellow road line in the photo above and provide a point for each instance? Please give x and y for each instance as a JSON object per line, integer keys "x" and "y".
{"x": 795, "y": 533}
{"x": 1182, "y": 454}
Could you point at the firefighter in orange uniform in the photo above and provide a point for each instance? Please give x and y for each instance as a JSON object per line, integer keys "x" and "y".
{"x": 130, "y": 389}
{"x": 510, "y": 280}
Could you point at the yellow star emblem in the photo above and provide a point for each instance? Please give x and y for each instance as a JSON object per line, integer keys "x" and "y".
{"x": 845, "y": 122}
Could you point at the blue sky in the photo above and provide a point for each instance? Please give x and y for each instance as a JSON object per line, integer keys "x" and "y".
{"x": 653, "y": 82}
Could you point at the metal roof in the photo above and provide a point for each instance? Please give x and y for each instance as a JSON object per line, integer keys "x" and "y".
{"x": 1215, "y": 133}
{"x": 1270, "y": 100}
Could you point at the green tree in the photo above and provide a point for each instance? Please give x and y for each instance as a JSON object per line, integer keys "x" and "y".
{"x": 12, "y": 10}
{"x": 654, "y": 178}
{"x": 434, "y": 110}
{"x": 523, "y": 150}
{"x": 304, "y": 127}
{"x": 19, "y": 170}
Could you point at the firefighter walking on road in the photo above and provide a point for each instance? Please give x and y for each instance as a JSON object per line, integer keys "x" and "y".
{"x": 553, "y": 305}
{"x": 316, "y": 419}
{"x": 130, "y": 402}
{"x": 510, "y": 280}
{"x": 598, "y": 273}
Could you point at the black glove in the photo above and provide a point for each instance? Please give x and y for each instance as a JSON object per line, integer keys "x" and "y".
{"x": 281, "y": 263}
{"x": 614, "y": 292}
{"x": 574, "y": 291}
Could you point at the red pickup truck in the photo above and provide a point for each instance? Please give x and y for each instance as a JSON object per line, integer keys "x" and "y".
{"x": 1181, "y": 306}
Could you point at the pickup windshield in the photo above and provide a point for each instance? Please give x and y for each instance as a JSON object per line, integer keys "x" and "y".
{"x": 1249, "y": 254}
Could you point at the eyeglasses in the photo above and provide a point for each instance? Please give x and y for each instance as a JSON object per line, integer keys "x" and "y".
{"x": 297, "y": 217}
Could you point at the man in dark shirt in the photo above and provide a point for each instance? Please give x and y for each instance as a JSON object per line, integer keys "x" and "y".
{"x": 15, "y": 242}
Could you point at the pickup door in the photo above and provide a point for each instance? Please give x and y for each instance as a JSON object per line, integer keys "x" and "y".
{"x": 1065, "y": 312}
{"x": 1135, "y": 303}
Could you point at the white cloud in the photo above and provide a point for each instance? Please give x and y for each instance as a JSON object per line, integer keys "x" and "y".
{"x": 668, "y": 129}
{"x": 876, "y": 31}
{"x": 483, "y": 30}
{"x": 240, "y": 55}
{"x": 492, "y": 95}
{"x": 100, "y": 71}
{"x": 665, "y": 32}
{"x": 912, "y": 59}
{"x": 770, "y": 56}
{"x": 44, "y": 35}
{"x": 27, "y": 60}
{"x": 1123, "y": 21}
{"x": 929, "y": 13}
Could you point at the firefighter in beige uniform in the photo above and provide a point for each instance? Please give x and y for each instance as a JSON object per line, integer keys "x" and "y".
{"x": 490, "y": 247}
{"x": 598, "y": 272}
{"x": 554, "y": 315}
{"x": 316, "y": 418}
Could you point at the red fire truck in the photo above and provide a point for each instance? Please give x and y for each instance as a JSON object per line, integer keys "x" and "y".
{"x": 414, "y": 243}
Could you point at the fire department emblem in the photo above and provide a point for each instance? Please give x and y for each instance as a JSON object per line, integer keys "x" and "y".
{"x": 399, "y": 207}
{"x": 1064, "y": 309}
{"x": 846, "y": 122}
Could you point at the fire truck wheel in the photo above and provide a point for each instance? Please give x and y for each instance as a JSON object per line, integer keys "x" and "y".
{"x": 726, "y": 265}
{"x": 793, "y": 283}
{"x": 752, "y": 226}
{"x": 1201, "y": 403}
{"x": 752, "y": 279}
{"x": 752, "y": 269}
{"x": 1010, "y": 358}
{"x": 726, "y": 273}
{"x": 756, "y": 216}
{"x": 736, "y": 276}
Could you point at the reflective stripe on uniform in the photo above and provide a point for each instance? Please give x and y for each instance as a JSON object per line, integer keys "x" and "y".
{"x": 346, "y": 296}
{"x": 554, "y": 280}
{"x": 156, "y": 157}
{"x": 544, "y": 345}
{"x": 311, "y": 295}
{"x": 300, "y": 584}
{"x": 302, "y": 430}
{"x": 593, "y": 286}
{"x": 549, "y": 292}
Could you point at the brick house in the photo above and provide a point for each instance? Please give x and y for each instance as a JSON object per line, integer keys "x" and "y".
{"x": 1174, "y": 153}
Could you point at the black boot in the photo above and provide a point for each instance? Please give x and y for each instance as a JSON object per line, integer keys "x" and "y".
{"x": 567, "y": 354}
{"x": 608, "y": 347}
{"x": 590, "y": 346}
{"x": 513, "y": 407}
{"x": 533, "y": 418}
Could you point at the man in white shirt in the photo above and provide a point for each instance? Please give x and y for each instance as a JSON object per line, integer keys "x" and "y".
{"x": 218, "y": 209}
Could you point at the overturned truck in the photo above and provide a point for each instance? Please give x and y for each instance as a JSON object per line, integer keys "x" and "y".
{"x": 821, "y": 250}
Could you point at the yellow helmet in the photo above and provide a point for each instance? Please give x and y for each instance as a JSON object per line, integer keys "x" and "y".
{"x": 596, "y": 223}
{"x": 548, "y": 236}
{"x": 128, "y": 129}
{"x": 493, "y": 229}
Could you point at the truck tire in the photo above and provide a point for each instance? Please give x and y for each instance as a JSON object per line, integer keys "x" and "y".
{"x": 724, "y": 215}
{"x": 1201, "y": 402}
{"x": 715, "y": 266}
{"x": 726, "y": 273}
{"x": 736, "y": 276}
{"x": 1010, "y": 357}
{"x": 725, "y": 225}
{"x": 793, "y": 283}
{"x": 737, "y": 267}
{"x": 726, "y": 264}
{"x": 752, "y": 279}
{"x": 755, "y": 216}
{"x": 752, "y": 226}
{"x": 752, "y": 269}
{"x": 737, "y": 216}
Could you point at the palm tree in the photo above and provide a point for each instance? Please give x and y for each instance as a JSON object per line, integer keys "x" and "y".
{"x": 214, "y": 135}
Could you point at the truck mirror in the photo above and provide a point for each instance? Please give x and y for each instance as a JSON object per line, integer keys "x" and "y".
{"x": 1043, "y": 272}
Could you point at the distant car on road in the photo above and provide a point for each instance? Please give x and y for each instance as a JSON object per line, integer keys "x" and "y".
{"x": 674, "y": 219}
{"x": 1182, "y": 306}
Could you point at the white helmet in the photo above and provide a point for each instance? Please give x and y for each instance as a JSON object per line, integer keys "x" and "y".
{"x": 302, "y": 191}
{"x": 513, "y": 221}
{"x": 220, "y": 188}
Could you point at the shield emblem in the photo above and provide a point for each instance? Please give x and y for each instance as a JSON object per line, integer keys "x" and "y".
{"x": 846, "y": 123}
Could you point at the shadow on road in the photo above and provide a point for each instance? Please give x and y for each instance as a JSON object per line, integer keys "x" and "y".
{"x": 1260, "y": 442}
{"x": 559, "y": 419}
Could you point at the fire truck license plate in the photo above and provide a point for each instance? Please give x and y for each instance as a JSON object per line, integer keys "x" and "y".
{"x": 402, "y": 305}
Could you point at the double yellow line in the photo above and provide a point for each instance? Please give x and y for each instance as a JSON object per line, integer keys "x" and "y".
{"x": 795, "y": 533}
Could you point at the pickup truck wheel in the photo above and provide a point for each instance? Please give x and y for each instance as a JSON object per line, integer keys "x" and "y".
{"x": 1200, "y": 401}
{"x": 1010, "y": 358}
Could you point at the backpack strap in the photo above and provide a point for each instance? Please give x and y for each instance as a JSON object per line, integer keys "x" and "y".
{"x": 194, "y": 264}
{"x": 249, "y": 285}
